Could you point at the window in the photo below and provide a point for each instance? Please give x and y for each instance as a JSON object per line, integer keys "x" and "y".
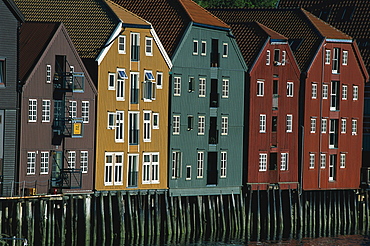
{"x": 263, "y": 162}
{"x": 327, "y": 56}
{"x": 32, "y": 110}
{"x": 225, "y": 51}
{"x": 73, "y": 109}
{"x": 344, "y": 92}
{"x": 44, "y": 165}
{"x": 122, "y": 44}
{"x": 132, "y": 169}
{"x": 191, "y": 84}
{"x": 159, "y": 80}
{"x": 289, "y": 92}
{"x": 334, "y": 96}
{"x": 195, "y": 47}
{"x": 343, "y": 126}
{"x": 283, "y": 59}
{"x": 176, "y": 124}
{"x": 111, "y": 120}
{"x": 277, "y": 57}
{"x": 323, "y": 125}
{"x": 284, "y": 162}
{"x": 289, "y": 123}
{"x": 314, "y": 91}
{"x": 335, "y": 65}
{"x": 71, "y": 69}
{"x": 119, "y": 127}
{"x": 176, "y": 164}
{"x": 204, "y": 48}
{"x": 134, "y": 88}
{"x": 188, "y": 172}
{"x": 201, "y": 125}
{"x": 108, "y": 172}
{"x": 85, "y": 111}
{"x": 345, "y": 57}
{"x": 268, "y": 57}
{"x": 120, "y": 90}
{"x": 177, "y": 86}
{"x": 323, "y": 161}
{"x": 354, "y": 127}
{"x": 262, "y": 123}
{"x": 325, "y": 89}
{"x": 31, "y": 162}
{"x": 155, "y": 120}
{"x": 355, "y": 92}
{"x": 224, "y": 125}
{"x": 200, "y": 162}
{"x": 48, "y": 73}
{"x": 149, "y": 87}
{"x": 260, "y": 88}
{"x": 190, "y": 122}
{"x": 342, "y": 160}
{"x": 118, "y": 168}
{"x": 225, "y": 88}
{"x": 113, "y": 160}
{"x": 223, "y": 164}
{"x": 135, "y": 46}
{"x": 133, "y": 128}
{"x": 313, "y": 125}
{"x": 202, "y": 87}
{"x": 84, "y": 158}
{"x": 147, "y": 126}
{"x": 45, "y": 110}
{"x": 333, "y": 134}
{"x": 332, "y": 167}
{"x": 2, "y": 72}
{"x": 148, "y": 46}
{"x": 312, "y": 160}
{"x": 71, "y": 159}
{"x": 111, "y": 81}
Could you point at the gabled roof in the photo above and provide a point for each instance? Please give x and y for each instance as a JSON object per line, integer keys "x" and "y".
{"x": 305, "y": 33}
{"x": 14, "y": 9}
{"x": 170, "y": 18}
{"x": 89, "y": 22}
{"x": 34, "y": 37}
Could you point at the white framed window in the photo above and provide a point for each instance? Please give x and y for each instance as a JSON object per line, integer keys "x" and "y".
{"x": 191, "y": 84}
{"x": 313, "y": 90}
{"x": 108, "y": 170}
{"x": 327, "y": 56}
{"x": 148, "y": 46}
{"x": 202, "y": 87}
{"x": 122, "y": 44}
{"x": 201, "y": 125}
{"x": 260, "y": 88}
{"x": 225, "y": 50}
{"x": 120, "y": 88}
{"x": 133, "y": 128}
{"x": 176, "y": 125}
{"x": 45, "y": 111}
{"x": 155, "y": 120}
{"x": 85, "y": 111}
{"x": 48, "y": 74}
{"x": 176, "y": 164}
{"x": 200, "y": 164}
{"x": 345, "y": 57}
{"x": 342, "y": 160}
{"x": 289, "y": 123}
{"x": 188, "y": 172}
{"x": 290, "y": 89}
{"x": 323, "y": 125}
{"x": 313, "y": 125}
{"x": 2, "y": 72}
{"x": 323, "y": 160}
{"x": 71, "y": 159}
{"x": 262, "y": 123}
{"x": 31, "y": 163}
{"x": 119, "y": 134}
{"x": 111, "y": 120}
{"x": 71, "y": 69}
{"x": 225, "y": 88}
{"x": 132, "y": 170}
{"x": 195, "y": 47}
{"x": 134, "y": 88}
{"x": 354, "y": 127}
{"x": 325, "y": 90}
{"x": 334, "y": 96}
{"x": 177, "y": 86}
{"x": 335, "y": 60}
{"x": 268, "y": 57}
{"x": 312, "y": 160}
{"x": 32, "y": 110}
{"x": 224, "y": 125}
{"x": 44, "y": 164}
{"x": 355, "y": 92}
{"x": 223, "y": 164}
{"x": 190, "y": 122}
{"x": 284, "y": 161}
{"x": 344, "y": 92}
{"x": 159, "y": 80}
{"x": 263, "y": 162}
{"x": 283, "y": 58}
{"x": 135, "y": 46}
{"x": 343, "y": 126}
{"x": 147, "y": 126}
{"x": 84, "y": 161}
{"x": 73, "y": 109}
{"x": 111, "y": 81}
{"x": 149, "y": 87}
{"x": 204, "y": 48}
{"x": 118, "y": 168}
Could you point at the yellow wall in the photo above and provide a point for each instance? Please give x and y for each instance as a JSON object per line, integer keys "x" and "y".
{"x": 105, "y": 141}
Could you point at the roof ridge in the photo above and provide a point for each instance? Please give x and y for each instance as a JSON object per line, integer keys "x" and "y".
{"x": 263, "y": 27}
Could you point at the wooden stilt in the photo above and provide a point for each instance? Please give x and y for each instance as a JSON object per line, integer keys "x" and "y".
{"x": 281, "y": 220}
{"x": 249, "y": 223}
{"x": 268, "y": 215}
{"x": 87, "y": 212}
{"x": 243, "y": 215}
{"x": 102, "y": 216}
{"x": 200, "y": 213}
{"x": 168, "y": 217}
{"x": 291, "y": 214}
{"x": 258, "y": 215}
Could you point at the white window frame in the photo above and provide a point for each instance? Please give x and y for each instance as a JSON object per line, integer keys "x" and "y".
{"x": 121, "y": 44}
{"x": 324, "y": 125}
{"x": 225, "y": 88}
{"x": 84, "y": 160}
{"x": 335, "y": 60}
{"x": 31, "y": 163}
{"x": 262, "y": 123}
{"x": 314, "y": 90}
{"x": 134, "y": 87}
{"x": 344, "y": 92}
{"x": 343, "y": 126}
{"x": 345, "y": 57}
{"x": 195, "y": 47}
{"x": 120, "y": 87}
{"x": 290, "y": 89}
{"x": 108, "y": 169}
{"x": 118, "y": 168}
{"x": 201, "y": 124}
{"x": 202, "y": 87}
{"x": 119, "y": 134}
{"x": 71, "y": 159}
{"x": 46, "y": 105}
{"x": 147, "y": 123}
{"x": 85, "y": 111}
{"x": 44, "y": 163}
{"x": 312, "y": 161}
{"x": 354, "y": 127}
{"x": 203, "y": 48}
{"x": 73, "y": 109}
{"x": 313, "y": 125}
{"x": 268, "y": 57}
{"x": 111, "y": 81}
{"x": 177, "y": 86}
{"x": 48, "y": 74}
{"x": 200, "y": 164}
{"x": 176, "y": 164}
{"x": 159, "y": 77}
{"x": 283, "y": 58}
{"x": 134, "y": 42}
{"x": 289, "y": 123}
{"x": 224, "y": 125}
{"x": 223, "y": 167}
{"x": 148, "y": 46}
{"x": 325, "y": 91}
{"x": 133, "y": 126}
{"x": 342, "y": 163}
{"x": 32, "y": 110}
{"x": 322, "y": 160}
{"x": 327, "y": 57}
{"x": 355, "y": 93}
{"x": 263, "y": 162}
{"x": 176, "y": 124}
{"x": 260, "y": 88}
{"x": 188, "y": 172}
{"x": 155, "y": 120}
{"x": 111, "y": 124}
{"x": 225, "y": 50}
{"x": 284, "y": 161}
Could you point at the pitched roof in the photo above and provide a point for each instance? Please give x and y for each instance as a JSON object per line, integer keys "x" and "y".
{"x": 350, "y": 16}
{"x": 170, "y": 18}
{"x": 14, "y": 9}
{"x": 89, "y": 22}
{"x": 33, "y": 39}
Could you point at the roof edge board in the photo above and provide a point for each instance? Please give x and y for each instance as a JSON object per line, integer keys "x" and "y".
{"x": 211, "y": 27}
{"x": 161, "y": 48}
{"x": 109, "y": 43}
{"x": 339, "y": 40}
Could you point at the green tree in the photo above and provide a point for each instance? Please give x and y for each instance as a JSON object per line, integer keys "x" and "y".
{"x": 236, "y": 3}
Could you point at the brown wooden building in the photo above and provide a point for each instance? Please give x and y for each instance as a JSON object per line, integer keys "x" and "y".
{"x": 57, "y": 113}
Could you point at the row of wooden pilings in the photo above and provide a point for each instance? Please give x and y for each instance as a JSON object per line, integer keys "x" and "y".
{"x": 154, "y": 217}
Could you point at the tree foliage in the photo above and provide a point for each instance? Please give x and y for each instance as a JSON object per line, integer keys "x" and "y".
{"x": 236, "y": 3}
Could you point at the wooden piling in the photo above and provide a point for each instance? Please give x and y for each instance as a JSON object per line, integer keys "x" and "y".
{"x": 281, "y": 220}
{"x": 102, "y": 223}
{"x": 268, "y": 215}
{"x": 200, "y": 215}
{"x": 243, "y": 216}
{"x": 258, "y": 215}
{"x": 249, "y": 223}
{"x": 168, "y": 216}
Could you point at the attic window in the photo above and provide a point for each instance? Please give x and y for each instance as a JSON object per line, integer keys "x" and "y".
{"x": 149, "y": 75}
{"x": 295, "y": 43}
{"x": 122, "y": 74}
